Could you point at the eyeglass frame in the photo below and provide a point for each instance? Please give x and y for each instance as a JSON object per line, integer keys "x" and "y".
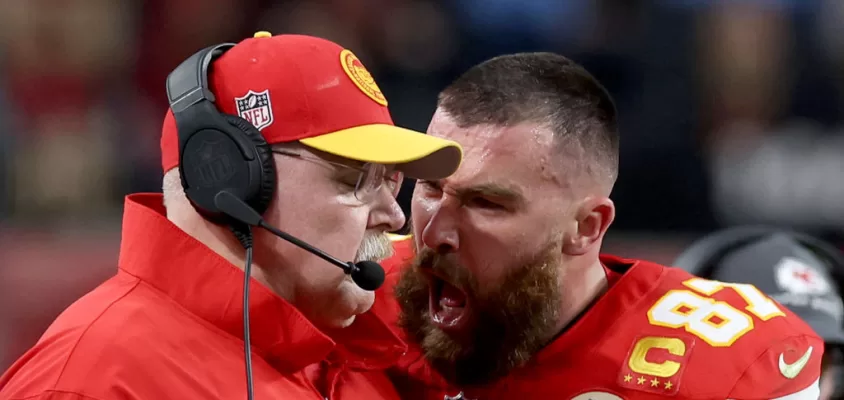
{"x": 395, "y": 176}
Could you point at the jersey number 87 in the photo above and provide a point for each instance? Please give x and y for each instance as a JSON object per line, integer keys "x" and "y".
{"x": 715, "y": 322}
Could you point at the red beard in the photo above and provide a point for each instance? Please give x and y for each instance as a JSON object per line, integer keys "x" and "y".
{"x": 506, "y": 326}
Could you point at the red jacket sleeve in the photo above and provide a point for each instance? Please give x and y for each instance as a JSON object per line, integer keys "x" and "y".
{"x": 789, "y": 369}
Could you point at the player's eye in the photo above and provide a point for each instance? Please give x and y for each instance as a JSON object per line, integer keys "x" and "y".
{"x": 484, "y": 203}
{"x": 349, "y": 178}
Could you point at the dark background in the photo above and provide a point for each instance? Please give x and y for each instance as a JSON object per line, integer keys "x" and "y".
{"x": 730, "y": 111}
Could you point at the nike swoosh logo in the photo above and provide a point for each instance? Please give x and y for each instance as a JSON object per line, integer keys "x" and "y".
{"x": 790, "y": 371}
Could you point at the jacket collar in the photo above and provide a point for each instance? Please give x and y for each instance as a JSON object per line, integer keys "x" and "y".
{"x": 157, "y": 252}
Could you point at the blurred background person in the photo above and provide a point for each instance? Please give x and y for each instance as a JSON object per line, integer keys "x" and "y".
{"x": 731, "y": 112}
{"x": 795, "y": 269}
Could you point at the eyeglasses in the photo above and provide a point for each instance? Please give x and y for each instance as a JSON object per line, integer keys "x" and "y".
{"x": 371, "y": 178}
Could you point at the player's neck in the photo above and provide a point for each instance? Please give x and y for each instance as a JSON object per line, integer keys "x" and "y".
{"x": 579, "y": 298}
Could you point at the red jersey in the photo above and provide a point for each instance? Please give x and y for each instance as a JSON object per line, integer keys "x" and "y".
{"x": 657, "y": 332}
{"x": 169, "y": 325}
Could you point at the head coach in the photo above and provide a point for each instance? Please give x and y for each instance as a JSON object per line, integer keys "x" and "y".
{"x": 288, "y": 131}
{"x": 793, "y": 268}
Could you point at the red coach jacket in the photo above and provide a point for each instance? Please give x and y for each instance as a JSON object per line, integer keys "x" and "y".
{"x": 169, "y": 325}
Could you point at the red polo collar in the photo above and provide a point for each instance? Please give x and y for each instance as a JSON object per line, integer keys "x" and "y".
{"x": 206, "y": 285}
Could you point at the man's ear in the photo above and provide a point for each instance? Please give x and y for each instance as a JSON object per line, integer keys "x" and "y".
{"x": 592, "y": 218}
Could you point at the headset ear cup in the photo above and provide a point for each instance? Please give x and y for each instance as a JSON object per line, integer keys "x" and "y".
{"x": 265, "y": 156}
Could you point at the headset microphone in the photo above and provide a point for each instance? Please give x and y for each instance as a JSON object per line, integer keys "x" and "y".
{"x": 368, "y": 275}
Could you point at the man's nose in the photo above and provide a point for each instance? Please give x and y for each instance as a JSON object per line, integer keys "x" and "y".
{"x": 441, "y": 233}
{"x": 387, "y": 214}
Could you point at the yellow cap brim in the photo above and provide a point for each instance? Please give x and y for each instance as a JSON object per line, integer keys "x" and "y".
{"x": 417, "y": 155}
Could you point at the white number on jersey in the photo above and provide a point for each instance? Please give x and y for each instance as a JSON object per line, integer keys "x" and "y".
{"x": 715, "y": 322}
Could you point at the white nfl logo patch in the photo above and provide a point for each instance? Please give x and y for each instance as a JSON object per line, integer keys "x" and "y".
{"x": 255, "y": 108}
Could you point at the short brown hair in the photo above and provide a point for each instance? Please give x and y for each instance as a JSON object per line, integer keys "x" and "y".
{"x": 545, "y": 88}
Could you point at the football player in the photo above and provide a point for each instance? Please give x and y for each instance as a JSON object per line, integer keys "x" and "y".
{"x": 501, "y": 290}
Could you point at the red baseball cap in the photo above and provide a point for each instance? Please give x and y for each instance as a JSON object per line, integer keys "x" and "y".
{"x": 311, "y": 90}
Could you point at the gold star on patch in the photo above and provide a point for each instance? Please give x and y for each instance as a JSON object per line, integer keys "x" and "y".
{"x": 641, "y": 380}
{"x": 668, "y": 385}
{"x": 628, "y": 378}
{"x": 654, "y": 382}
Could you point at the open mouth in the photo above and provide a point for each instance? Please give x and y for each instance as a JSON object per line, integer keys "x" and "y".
{"x": 448, "y": 305}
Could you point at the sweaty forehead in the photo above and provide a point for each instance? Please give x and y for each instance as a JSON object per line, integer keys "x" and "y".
{"x": 515, "y": 153}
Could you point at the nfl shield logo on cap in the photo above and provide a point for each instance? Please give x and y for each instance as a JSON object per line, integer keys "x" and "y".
{"x": 256, "y": 108}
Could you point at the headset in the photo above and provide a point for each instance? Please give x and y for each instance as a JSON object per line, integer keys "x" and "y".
{"x": 217, "y": 151}
{"x": 220, "y": 154}
{"x": 703, "y": 257}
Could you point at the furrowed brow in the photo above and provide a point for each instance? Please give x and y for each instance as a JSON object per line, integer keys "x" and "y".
{"x": 506, "y": 193}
